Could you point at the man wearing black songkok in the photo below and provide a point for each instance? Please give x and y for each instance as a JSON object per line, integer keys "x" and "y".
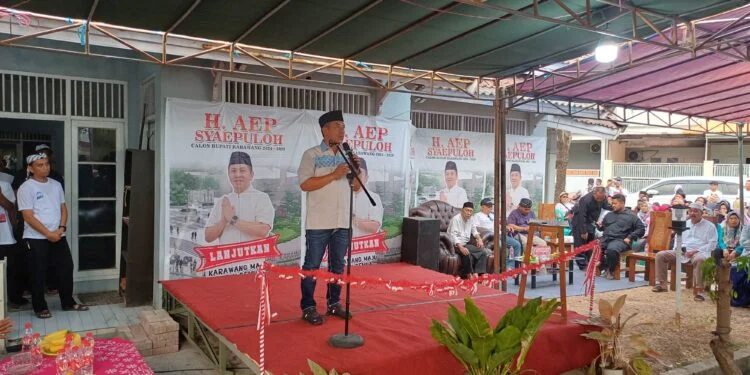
{"x": 244, "y": 214}
{"x": 467, "y": 242}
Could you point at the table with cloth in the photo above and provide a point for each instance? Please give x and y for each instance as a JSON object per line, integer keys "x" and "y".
{"x": 111, "y": 356}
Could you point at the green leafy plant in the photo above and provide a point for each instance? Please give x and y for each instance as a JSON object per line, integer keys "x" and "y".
{"x": 484, "y": 350}
{"x": 708, "y": 273}
{"x": 610, "y": 339}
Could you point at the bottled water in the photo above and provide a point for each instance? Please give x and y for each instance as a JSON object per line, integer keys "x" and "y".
{"x": 87, "y": 354}
{"x": 75, "y": 360}
{"x": 28, "y": 334}
{"x": 36, "y": 350}
{"x": 61, "y": 364}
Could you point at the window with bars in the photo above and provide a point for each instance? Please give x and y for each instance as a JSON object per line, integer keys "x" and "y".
{"x": 452, "y": 121}
{"x": 97, "y": 99}
{"x": 20, "y": 93}
{"x": 274, "y": 95}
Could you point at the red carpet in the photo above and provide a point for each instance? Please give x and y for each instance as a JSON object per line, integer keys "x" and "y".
{"x": 395, "y": 325}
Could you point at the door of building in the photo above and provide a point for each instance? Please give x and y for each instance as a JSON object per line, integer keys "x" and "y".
{"x": 98, "y": 155}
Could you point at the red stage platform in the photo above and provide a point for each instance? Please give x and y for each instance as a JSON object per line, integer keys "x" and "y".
{"x": 395, "y": 325}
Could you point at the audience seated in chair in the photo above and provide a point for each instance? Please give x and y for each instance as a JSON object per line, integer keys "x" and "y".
{"x": 485, "y": 221}
{"x": 518, "y": 223}
{"x": 468, "y": 243}
{"x": 448, "y": 260}
{"x": 698, "y": 241}
{"x": 621, "y": 229}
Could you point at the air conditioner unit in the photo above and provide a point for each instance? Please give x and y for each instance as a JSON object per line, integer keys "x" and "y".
{"x": 595, "y": 148}
{"x": 634, "y": 156}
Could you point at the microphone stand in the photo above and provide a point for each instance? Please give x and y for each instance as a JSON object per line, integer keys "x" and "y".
{"x": 349, "y": 340}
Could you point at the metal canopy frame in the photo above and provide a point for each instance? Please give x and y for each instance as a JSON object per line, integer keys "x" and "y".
{"x": 683, "y": 37}
{"x": 531, "y": 89}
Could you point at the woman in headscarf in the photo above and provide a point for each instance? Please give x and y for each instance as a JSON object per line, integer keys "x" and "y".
{"x": 739, "y": 278}
{"x": 722, "y": 210}
{"x": 564, "y": 210}
{"x": 644, "y": 214}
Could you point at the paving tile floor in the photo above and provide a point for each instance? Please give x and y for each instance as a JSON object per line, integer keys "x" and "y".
{"x": 97, "y": 318}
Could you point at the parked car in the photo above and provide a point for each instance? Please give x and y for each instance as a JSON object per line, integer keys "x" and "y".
{"x": 663, "y": 191}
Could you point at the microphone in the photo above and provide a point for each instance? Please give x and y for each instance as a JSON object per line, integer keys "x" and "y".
{"x": 350, "y": 154}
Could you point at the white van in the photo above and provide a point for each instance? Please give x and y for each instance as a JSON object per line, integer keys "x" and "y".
{"x": 663, "y": 191}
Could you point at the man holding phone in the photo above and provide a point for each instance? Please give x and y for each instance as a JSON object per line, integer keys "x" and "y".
{"x": 697, "y": 243}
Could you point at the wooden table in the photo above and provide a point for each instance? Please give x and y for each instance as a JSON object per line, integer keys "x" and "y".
{"x": 558, "y": 241}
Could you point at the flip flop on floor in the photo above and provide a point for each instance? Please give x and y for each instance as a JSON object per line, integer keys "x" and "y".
{"x": 44, "y": 314}
{"x": 77, "y": 307}
{"x": 659, "y": 289}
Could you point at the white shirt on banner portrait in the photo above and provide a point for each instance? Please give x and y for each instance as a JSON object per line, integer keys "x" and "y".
{"x": 6, "y": 227}
{"x": 456, "y": 196}
{"x": 366, "y": 211}
{"x": 44, "y": 199}
{"x": 327, "y": 207}
{"x": 250, "y": 205}
{"x": 515, "y": 197}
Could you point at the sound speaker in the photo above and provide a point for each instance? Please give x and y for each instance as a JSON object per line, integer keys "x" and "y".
{"x": 420, "y": 244}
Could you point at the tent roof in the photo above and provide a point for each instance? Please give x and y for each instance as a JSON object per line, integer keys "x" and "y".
{"x": 466, "y": 37}
{"x": 710, "y": 84}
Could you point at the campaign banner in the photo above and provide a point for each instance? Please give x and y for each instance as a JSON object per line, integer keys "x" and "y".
{"x": 234, "y": 198}
{"x": 234, "y": 195}
{"x": 457, "y": 167}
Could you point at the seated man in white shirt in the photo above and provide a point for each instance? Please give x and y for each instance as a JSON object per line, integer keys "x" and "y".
{"x": 698, "y": 241}
{"x": 452, "y": 194}
{"x": 485, "y": 219}
{"x": 467, "y": 242}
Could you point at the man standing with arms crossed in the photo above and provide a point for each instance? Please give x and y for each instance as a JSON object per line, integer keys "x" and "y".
{"x": 42, "y": 202}
{"x": 322, "y": 175}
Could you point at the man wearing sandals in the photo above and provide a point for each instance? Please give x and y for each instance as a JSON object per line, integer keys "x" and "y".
{"x": 698, "y": 241}
{"x": 42, "y": 202}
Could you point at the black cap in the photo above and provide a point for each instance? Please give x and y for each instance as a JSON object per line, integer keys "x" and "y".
{"x": 515, "y": 168}
{"x": 239, "y": 157}
{"x": 330, "y": 116}
{"x": 363, "y": 164}
{"x": 487, "y": 202}
{"x": 469, "y": 205}
{"x": 525, "y": 202}
{"x": 451, "y": 165}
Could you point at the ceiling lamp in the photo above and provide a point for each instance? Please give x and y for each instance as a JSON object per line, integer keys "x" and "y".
{"x": 606, "y": 51}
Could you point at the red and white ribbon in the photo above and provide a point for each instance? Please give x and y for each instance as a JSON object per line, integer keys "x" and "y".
{"x": 264, "y": 316}
{"x": 590, "y": 282}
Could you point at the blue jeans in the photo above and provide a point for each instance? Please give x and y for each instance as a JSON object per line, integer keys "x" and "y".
{"x": 515, "y": 245}
{"x": 317, "y": 240}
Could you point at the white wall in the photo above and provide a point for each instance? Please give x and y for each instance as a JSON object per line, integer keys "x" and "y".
{"x": 581, "y": 156}
{"x": 727, "y": 153}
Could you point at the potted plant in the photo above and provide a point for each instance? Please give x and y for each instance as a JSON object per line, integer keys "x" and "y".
{"x": 482, "y": 349}
{"x": 611, "y": 339}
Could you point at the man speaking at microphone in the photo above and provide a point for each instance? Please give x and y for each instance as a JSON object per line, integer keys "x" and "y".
{"x": 322, "y": 175}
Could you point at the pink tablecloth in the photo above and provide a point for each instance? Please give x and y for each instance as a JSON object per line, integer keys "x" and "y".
{"x": 111, "y": 357}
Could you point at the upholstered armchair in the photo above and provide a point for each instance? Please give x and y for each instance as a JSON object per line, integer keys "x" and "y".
{"x": 449, "y": 262}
